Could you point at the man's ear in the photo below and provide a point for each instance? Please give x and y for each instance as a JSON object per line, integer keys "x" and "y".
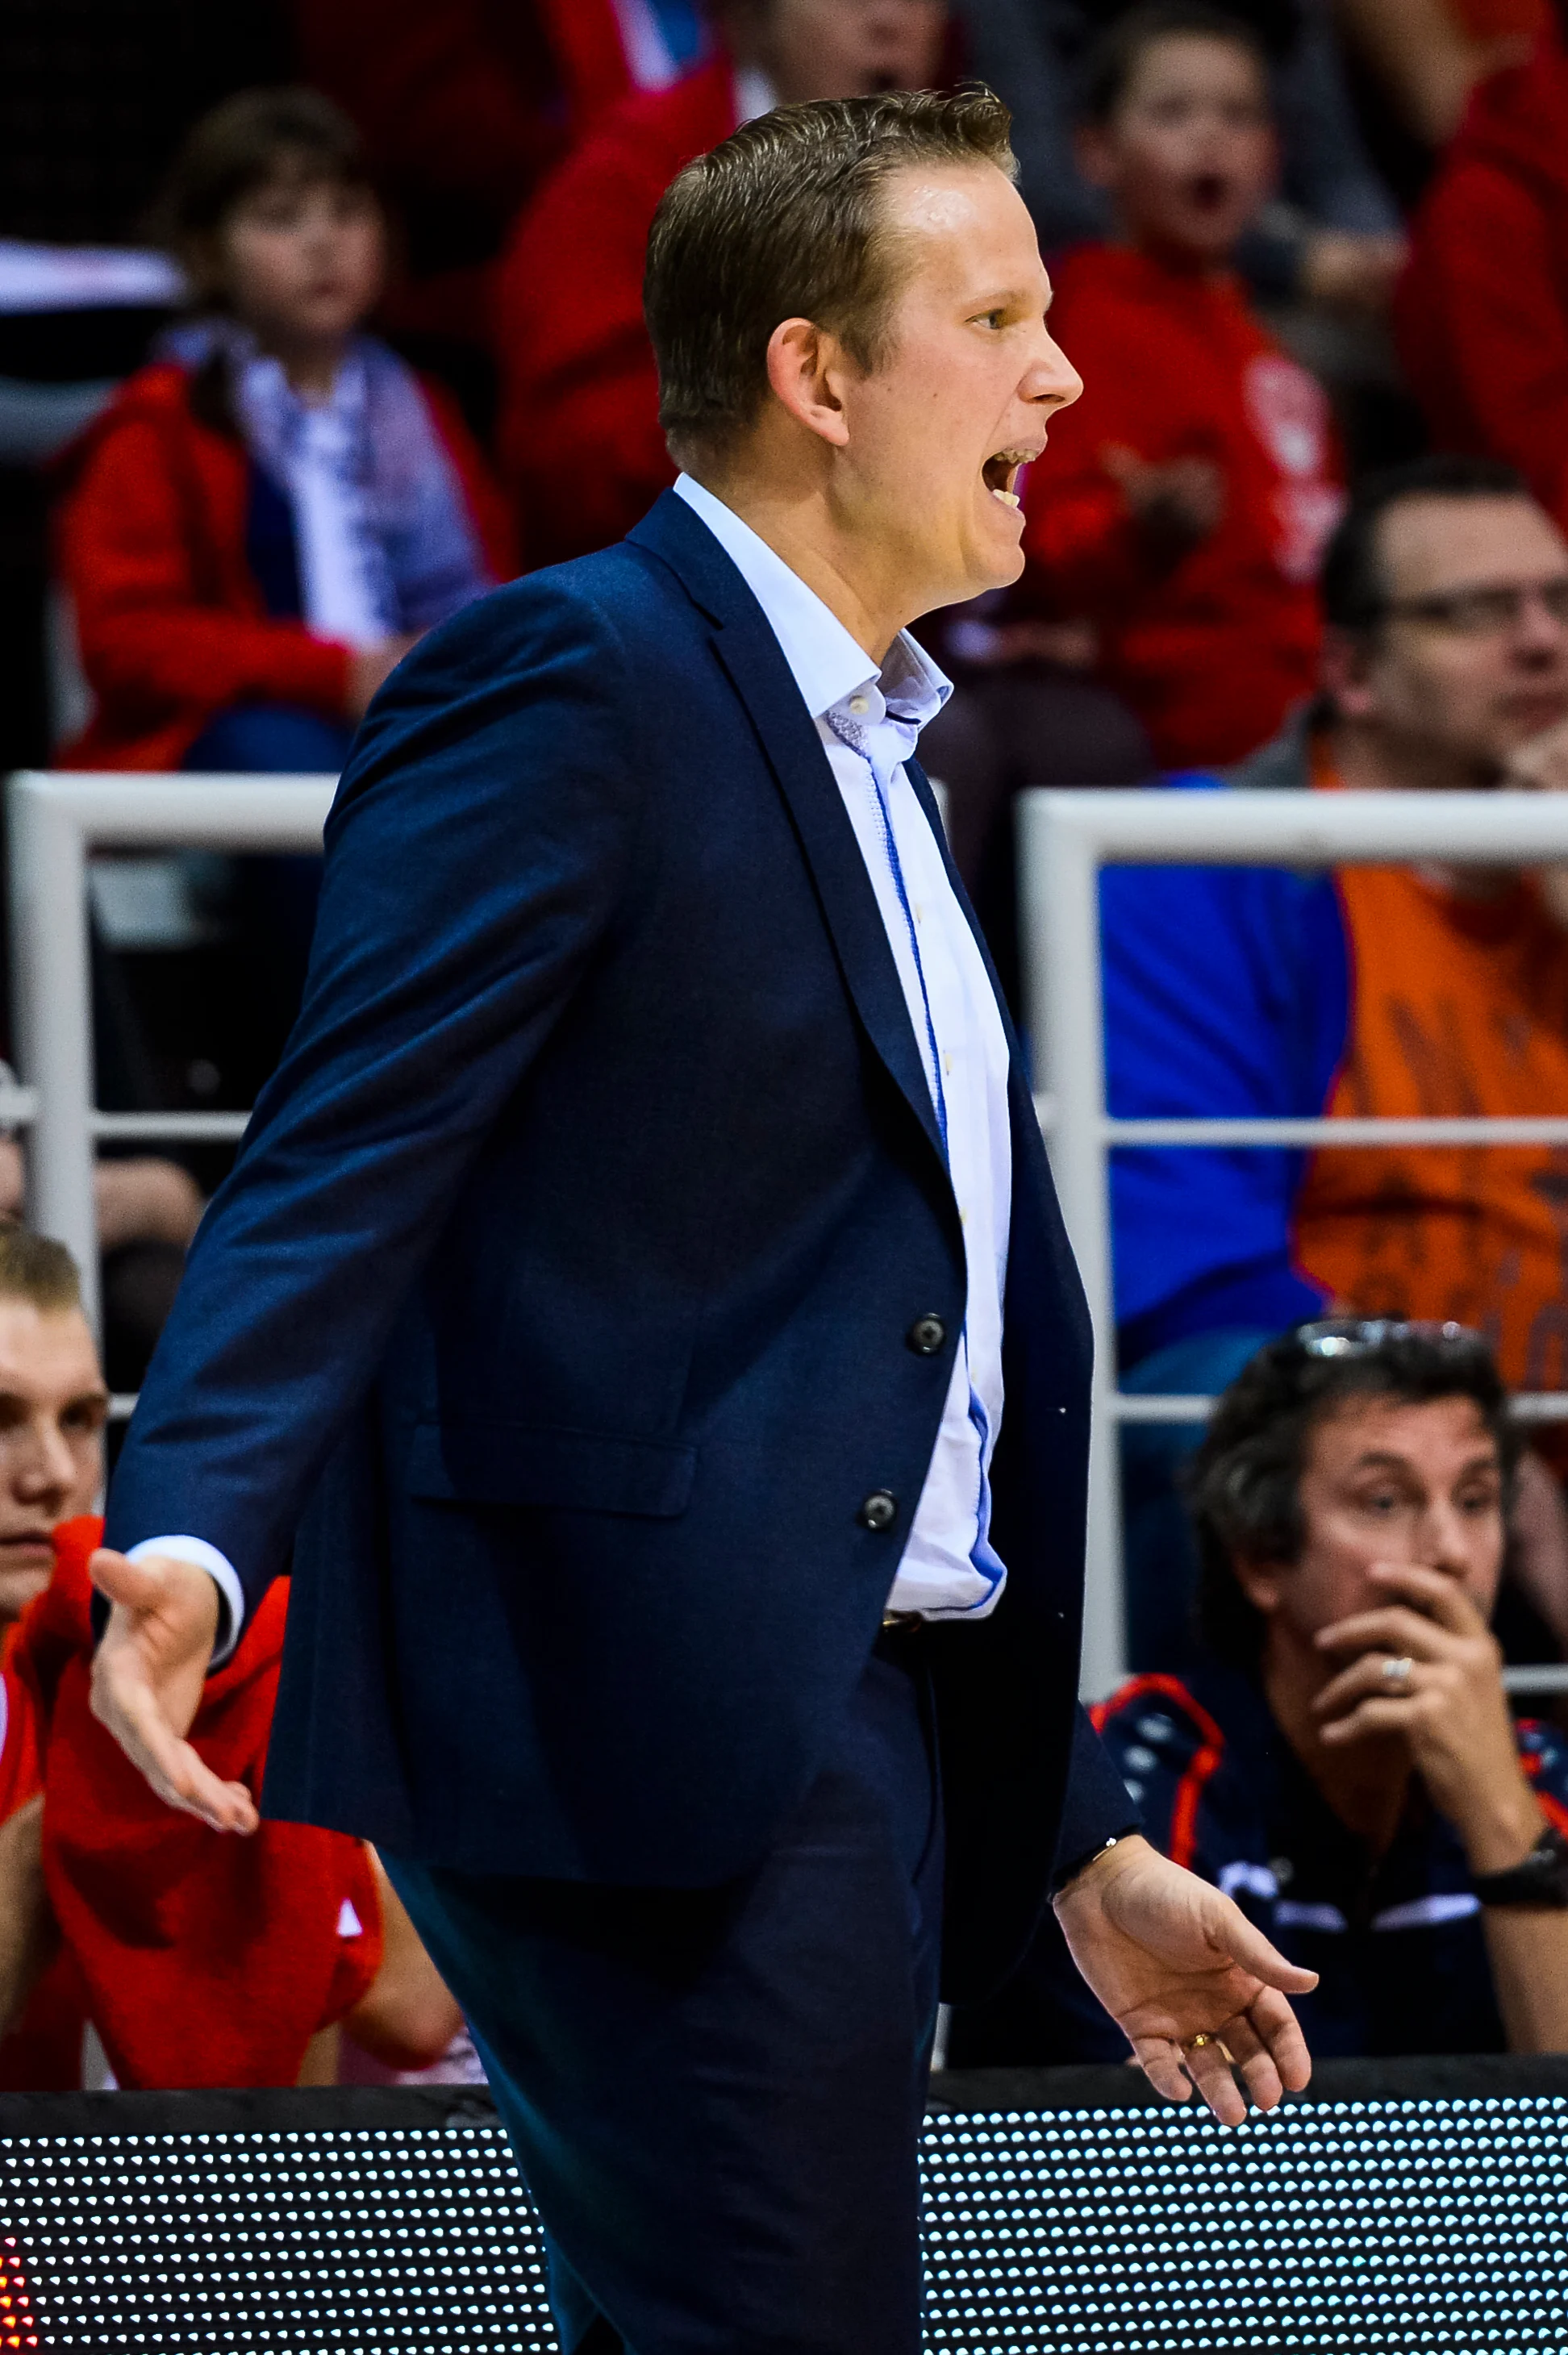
{"x": 805, "y": 369}
{"x": 1262, "y": 1582}
{"x": 1345, "y": 668}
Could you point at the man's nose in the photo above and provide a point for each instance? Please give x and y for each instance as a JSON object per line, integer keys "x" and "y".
{"x": 1442, "y": 1543}
{"x": 44, "y": 1464}
{"x": 1539, "y": 633}
{"x": 1051, "y": 380}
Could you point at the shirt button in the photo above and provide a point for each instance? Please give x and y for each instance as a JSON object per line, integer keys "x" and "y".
{"x": 926, "y": 1336}
{"x": 879, "y": 1511}
{"x": 859, "y": 706}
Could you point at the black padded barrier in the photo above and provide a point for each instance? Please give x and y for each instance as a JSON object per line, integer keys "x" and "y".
{"x": 1401, "y": 2206}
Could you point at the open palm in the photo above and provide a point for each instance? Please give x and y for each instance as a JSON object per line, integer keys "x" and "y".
{"x": 1171, "y": 1960}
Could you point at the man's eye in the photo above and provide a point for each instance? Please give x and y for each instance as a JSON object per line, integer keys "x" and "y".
{"x": 1381, "y": 1500}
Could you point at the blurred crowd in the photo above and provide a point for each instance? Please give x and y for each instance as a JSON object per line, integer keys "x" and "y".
{"x": 318, "y": 321}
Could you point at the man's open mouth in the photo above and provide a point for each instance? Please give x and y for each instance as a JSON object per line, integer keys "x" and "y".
{"x": 1001, "y": 473}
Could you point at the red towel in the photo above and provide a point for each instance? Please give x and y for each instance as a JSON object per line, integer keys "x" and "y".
{"x": 207, "y": 1959}
{"x": 43, "y": 2052}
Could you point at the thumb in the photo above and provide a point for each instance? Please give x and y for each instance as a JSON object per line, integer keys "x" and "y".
{"x": 136, "y": 1585}
{"x": 1229, "y": 1929}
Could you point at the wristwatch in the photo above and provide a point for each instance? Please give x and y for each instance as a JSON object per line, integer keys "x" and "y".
{"x": 1540, "y": 1879}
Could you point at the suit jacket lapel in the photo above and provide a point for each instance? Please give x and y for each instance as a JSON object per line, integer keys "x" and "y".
{"x": 752, "y": 656}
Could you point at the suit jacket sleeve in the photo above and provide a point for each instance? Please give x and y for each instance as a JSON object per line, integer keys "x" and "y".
{"x": 1096, "y": 1807}
{"x": 478, "y": 848}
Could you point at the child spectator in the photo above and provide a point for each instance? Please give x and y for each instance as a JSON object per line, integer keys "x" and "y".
{"x": 259, "y": 526}
{"x": 1481, "y": 314}
{"x": 199, "y": 1960}
{"x": 1344, "y": 1764}
{"x": 1183, "y": 506}
{"x": 580, "y": 435}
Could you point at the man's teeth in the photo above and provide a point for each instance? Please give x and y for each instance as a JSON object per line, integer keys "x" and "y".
{"x": 1007, "y": 498}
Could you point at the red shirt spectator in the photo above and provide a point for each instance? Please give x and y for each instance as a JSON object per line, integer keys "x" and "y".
{"x": 1213, "y": 650}
{"x": 1184, "y": 504}
{"x": 578, "y": 432}
{"x": 1481, "y": 313}
{"x": 173, "y": 622}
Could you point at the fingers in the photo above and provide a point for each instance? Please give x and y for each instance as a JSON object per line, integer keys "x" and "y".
{"x": 128, "y": 1708}
{"x": 1264, "y": 2046}
{"x": 134, "y": 1584}
{"x": 1373, "y": 1715}
{"x": 183, "y": 1598}
{"x": 1209, "y": 2067}
{"x": 1278, "y": 2033}
{"x": 1437, "y": 1595}
{"x": 1160, "y": 2062}
{"x": 1396, "y": 1629}
{"x": 1229, "y": 1931}
{"x": 1367, "y": 1679}
{"x": 1252, "y": 2056}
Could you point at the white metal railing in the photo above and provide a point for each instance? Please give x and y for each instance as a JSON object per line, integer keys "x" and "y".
{"x": 1064, "y": 840}
{"x": 55, "y": 824}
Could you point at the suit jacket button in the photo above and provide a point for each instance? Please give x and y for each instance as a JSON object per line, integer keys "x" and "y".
{"x": 879, "y": 1511}
{"x": 926, "y": 1336}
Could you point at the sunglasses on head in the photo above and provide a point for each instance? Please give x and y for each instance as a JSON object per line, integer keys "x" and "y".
{"x": 1358, "y": 1337}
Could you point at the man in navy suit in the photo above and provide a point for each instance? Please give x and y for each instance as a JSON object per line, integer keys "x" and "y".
{"x": 616, "y": 1301}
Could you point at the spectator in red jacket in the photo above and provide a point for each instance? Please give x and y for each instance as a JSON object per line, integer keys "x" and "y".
{"x": 1481, "y": 314}
{"x": 579, "y": 434}
{"x": 259, "y": 526}
{"x": 199, "y": 1960}
{"x": 1182, "y": 508}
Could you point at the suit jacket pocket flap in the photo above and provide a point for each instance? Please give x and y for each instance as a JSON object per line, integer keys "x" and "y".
{"x": 517, "y": 1464}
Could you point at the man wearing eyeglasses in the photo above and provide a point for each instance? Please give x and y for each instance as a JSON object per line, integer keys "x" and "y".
{"x": 1377, "y": 991}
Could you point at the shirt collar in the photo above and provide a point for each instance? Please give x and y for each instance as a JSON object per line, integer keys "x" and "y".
{"x": 825, "y": 661}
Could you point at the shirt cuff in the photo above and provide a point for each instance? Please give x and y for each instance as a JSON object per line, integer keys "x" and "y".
{"x": 231, "y": 1594}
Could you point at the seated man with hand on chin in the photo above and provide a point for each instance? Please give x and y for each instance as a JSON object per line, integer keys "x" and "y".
{"x": 1344, "y": 1764}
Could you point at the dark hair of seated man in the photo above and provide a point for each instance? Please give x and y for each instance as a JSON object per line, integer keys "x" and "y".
{"x": 1344, "y": 1761}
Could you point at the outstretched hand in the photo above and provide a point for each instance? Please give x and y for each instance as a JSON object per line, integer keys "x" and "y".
{"x": 148, "y": 1677}
{"x": 1172, "y": 1961}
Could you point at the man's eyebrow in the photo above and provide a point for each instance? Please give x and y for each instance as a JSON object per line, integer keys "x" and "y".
{"x": 1387, "y": 1458}
{"x": 97, "y": 1396}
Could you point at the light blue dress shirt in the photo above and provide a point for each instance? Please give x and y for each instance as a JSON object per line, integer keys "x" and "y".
{"x": 870, "y": 721}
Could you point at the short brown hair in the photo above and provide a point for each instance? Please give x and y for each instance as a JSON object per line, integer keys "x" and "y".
{"x": 37, "y": 1269}
{"x": 1112, "y": 63}
{"x": 781, "y": 221}
{"x": 257, "y": 136}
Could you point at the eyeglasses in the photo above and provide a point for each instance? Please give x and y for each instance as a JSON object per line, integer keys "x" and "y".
{"x": 1482, "y": 612}
{"x": 1358, "y": 1337}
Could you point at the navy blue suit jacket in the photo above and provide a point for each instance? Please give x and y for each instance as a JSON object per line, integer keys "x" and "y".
{"x": 556, "y": 1312}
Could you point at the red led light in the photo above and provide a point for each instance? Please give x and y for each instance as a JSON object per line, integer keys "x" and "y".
{"x": 17, "y": 2319}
